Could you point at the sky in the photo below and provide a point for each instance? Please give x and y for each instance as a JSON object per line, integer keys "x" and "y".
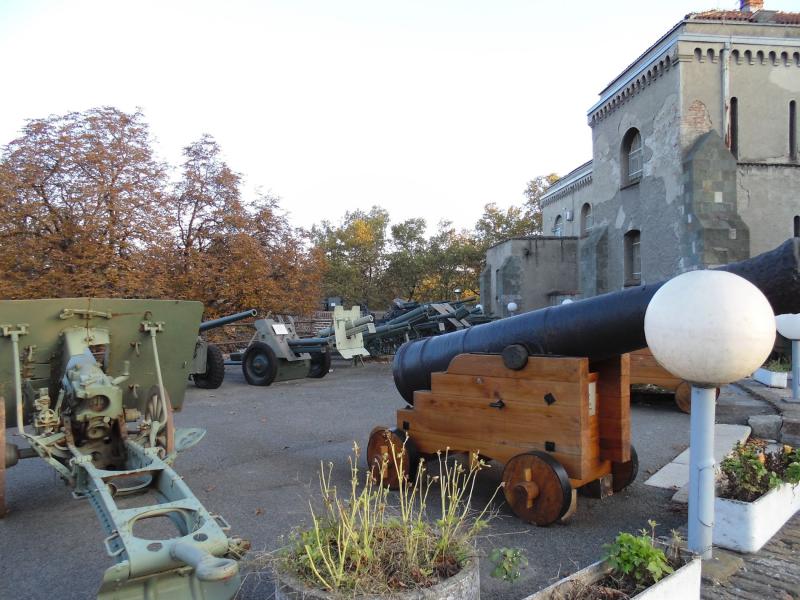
{"x": 428, "y": 108}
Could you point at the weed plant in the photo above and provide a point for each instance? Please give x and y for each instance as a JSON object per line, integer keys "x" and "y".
{"x": 362, "y": 543}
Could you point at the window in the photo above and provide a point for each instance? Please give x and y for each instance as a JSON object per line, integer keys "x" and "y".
{"x": 631, "y": 157}
{"x": 633, "y": 258}
{"x": 734, "y": 141}
{"x": 558, "y": 226}
{"x": 586, "y": 218}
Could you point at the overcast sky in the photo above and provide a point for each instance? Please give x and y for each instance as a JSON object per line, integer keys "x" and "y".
{"x": 428, "y": 108}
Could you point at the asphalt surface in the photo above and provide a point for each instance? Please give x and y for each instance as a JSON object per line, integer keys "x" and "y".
{"x": 258, "y": 466}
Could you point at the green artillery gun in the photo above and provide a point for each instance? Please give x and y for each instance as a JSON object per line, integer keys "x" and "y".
{"x": 91, "y": 385}
{"x": 208, "y": 364}
{"x": 277, "y": 353}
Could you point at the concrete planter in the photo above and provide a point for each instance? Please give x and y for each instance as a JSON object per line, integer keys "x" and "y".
{"x": 684, "y": 583}
{"x": 465, "y": 585}
{"x": 769, "y": 378}
{"x": 747, "y": 526}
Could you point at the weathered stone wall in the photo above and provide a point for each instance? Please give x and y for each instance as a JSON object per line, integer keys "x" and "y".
{"x": 533, "y": 272}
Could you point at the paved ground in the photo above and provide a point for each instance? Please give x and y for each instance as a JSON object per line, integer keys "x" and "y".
{"x": 258, "y": 465}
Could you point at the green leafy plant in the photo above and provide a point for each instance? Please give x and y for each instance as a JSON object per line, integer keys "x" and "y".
{"x": 635, "y": 557}
{"x": 778, "y": 365}
{"x": 361, "y": 543}
{"x": 507, "y": 563}
{"x": 750, "y": 472}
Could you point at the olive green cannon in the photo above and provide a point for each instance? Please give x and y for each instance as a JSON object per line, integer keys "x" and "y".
{"x": 90, "y": 385}
{"x": 208, "y": 364}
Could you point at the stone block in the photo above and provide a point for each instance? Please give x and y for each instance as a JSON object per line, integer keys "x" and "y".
{"x": 766, "y": 427}
{"x": 790, "y": 431}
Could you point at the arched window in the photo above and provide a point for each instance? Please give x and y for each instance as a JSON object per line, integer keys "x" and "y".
{"x": 633, "y": 258}
{"x": 558, "y": 226}
{"x": 631, "y": 157}
{"x": 586, "y": 218}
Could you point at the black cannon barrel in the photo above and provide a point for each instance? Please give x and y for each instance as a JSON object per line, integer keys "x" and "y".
{"x": 598, "y": 327}
{"x": 206, "y": 325}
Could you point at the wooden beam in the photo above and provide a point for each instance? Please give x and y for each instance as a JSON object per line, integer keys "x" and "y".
{"x": 614, "y": 407}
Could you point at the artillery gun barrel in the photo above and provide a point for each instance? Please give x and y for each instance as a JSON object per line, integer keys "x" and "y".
{"x": 412, "y": 314}
{"x": 388, "y": 328}
{"x": 329, "y": 331}
{"x": 315, "y": 341}
{"x": 213, "y": 323}
{"x": 598, "y": 327}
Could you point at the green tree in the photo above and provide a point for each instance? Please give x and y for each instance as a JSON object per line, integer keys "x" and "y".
{"x": 409, "y": 261}
{"x": 534, "y": 191}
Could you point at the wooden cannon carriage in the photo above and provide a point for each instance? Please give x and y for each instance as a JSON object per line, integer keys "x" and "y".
{"x": 558, "y": 424}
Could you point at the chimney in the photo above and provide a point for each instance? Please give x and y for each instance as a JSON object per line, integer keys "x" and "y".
{"x": 751, "y": 5}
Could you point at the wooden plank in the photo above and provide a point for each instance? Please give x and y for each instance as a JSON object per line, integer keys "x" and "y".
{"x": 645, "y": 369}
{"x": 522, "y": 411}
{"x": 526, "y": 390}
{"x": 550, "y": 368}
{"x": 509, "y": 425}
{"x": 614, "y": 408}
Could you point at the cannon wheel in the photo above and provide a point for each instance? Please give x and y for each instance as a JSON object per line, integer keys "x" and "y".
{"x": 320, "y": 365}
{"x": 215, "y": 370}
{"x": 259, "y": 364}
{"x": 683, "y": 396}
{"x": 381, "y": 442}
{"x": 537, "y": 488}
{"x": 623, "y": 474}
{"x": 154, "y": 410}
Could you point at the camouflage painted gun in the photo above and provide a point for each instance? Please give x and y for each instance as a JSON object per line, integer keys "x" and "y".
{"x": 208, "y": 364}
{"x": 90, "y": 385}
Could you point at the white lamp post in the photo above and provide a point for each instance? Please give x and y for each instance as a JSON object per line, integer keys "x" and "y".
{"x": 709, "y": 328}
{"x": 512, "y": 308}
{"x": 789, "y": 327}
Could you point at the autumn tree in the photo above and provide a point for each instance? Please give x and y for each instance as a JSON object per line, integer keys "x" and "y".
{"x": 80, "y": 204}
{"x": 455, "y": 260}
{"x": 355, "y": 255}
{"x": 534, "y": 191}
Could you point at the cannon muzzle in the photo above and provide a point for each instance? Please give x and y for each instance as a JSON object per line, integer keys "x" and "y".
{"x": 598, "y": 327}
{"x": 213, "y": 323}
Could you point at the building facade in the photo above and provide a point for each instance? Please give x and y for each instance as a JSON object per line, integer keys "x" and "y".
{"x": 694, "y": 156}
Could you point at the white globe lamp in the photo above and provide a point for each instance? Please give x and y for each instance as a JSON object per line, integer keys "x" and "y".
{"x": 512, "y": 307}
{"x": 709, "y": 328}
{"x": 789, "y": 327}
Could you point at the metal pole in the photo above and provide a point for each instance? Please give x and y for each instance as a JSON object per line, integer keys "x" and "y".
{"x": 795, "y": 370}
{"x": 701, "y": 471}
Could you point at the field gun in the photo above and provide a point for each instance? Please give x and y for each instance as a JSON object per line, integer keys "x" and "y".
{"x": 91, "y": 385}
{"x": 208, "y": 364}
{"x": 545, "y": 392}
{"x": 277, "y": 353}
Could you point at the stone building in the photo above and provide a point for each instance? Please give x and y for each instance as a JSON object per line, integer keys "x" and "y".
{"x": 695, "y": 162}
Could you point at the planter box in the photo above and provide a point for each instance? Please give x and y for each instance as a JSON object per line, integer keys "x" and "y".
{"x": 747, "y": 526}
{"x": 464, "y": 585}
{"x": 684, "y": 583}
{"x": 774, "y": 379}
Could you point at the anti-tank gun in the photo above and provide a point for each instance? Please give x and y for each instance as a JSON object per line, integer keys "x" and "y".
{"x": 208, "y": 364}
{"x": 90, "y": 385}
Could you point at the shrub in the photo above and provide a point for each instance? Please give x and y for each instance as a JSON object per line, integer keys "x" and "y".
{"x": 636, "y": 558}
{"x": 749, "y": 472}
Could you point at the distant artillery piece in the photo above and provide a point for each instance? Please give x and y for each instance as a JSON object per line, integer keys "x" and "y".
{"x": 277, "y": 353}
{"x": 547, "y": 392}
{"x": 208, "y": 364}
{"x": 97, "y": 380}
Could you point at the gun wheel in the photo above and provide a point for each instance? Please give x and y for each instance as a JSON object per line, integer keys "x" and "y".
{"x": 259, "y": 364}
{"x": 537, "y": 488}
{"x": 215, "y": 369}
{"x": 391, "y": 456}
{"x": 320, "y": 364}
{"x": 683, "y": 396}
{"x": 156, "y": 410}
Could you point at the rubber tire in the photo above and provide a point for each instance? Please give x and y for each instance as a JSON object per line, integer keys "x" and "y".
{"x": 215, "y": 370}
{"x": 320, "y": 365}
{"x": 259, "y": 350}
